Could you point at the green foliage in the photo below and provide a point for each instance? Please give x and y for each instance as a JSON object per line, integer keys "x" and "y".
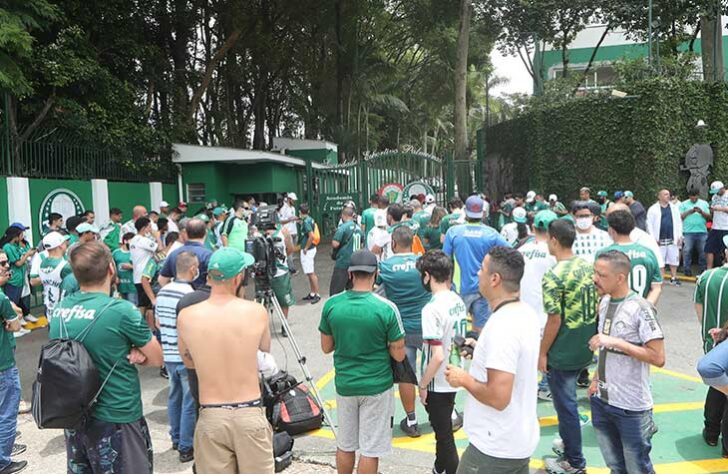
{"x": 636, "y": 143}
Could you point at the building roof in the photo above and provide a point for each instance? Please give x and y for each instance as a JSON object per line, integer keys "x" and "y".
{"x": 283, "y": 143}
{"x": 216, "y": 154}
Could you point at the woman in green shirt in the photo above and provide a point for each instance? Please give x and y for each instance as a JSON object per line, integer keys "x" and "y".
{"x": 431, "y": 234}
{"x": 19, "y": 253}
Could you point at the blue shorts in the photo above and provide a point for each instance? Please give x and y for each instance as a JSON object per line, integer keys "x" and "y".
{"x": 478, "y": 307}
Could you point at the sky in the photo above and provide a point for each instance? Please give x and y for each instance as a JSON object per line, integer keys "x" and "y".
{"x": 512, "y": 69}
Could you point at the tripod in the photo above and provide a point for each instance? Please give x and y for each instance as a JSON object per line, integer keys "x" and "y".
{"x": 267, "y": 298}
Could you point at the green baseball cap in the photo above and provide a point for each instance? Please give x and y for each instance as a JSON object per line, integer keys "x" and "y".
{"x": 543, "y": 218}
{"x": 602, "y": 194}
{"x": 218, "y": 211}
{"x": 628, "y": 194}
{"x": 227, "y": 262}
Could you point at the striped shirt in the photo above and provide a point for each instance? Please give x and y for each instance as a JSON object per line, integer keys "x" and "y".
{"x": 711, "y": 291}
{"x": 166, "y": 313}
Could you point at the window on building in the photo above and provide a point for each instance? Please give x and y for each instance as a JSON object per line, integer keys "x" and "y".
{"x": 599, "y": 77}
{"x": 196, "y": 192}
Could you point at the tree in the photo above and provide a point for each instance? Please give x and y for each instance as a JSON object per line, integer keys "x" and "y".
{"x": 461, "y": 71}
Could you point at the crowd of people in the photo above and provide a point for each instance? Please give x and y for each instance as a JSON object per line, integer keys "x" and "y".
{"x": 546, "y": 286}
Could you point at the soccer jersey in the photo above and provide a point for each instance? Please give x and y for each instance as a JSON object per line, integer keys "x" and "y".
{"x": 443, "y": 318}
{"x": 569, "y": 291}
{"x": 351, "y": 239}
{"x": 367, "y": 219}
{"x": 431, "y": 237}
{"x": 586, "y": 246}
{"x": 468, "y": 244}
{"x": 711, "y": 291}
{"x": 110, "y": 234}
{"x": 236, "y": 231}
{"x": 402, "y": 284}
{"x": 51, "y": 272}
{"x": 141, "y": 249}
{"x": 69, "y": 286}
{"x": 422, "y": 218}
{"x": 307, "y": 226}
{"x": 126, "y": 277}
{"x": 538, "y": 261}
{"x": 7, "y": 339}
{"x": 17, "y": 274}
{"x": 645, "y": 270}
{"x": 450, "y": 220}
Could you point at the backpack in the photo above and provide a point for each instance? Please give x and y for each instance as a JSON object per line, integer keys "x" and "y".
{"x": 316, "y": 235}
{"x": 282, "y": 450}
{"x": 67, "y": 383}
{"x": 289, "y": 405}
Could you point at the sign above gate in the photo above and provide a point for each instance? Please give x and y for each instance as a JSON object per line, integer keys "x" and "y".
{"x": 417, "y": 188}
{"x": 393, "y": 191}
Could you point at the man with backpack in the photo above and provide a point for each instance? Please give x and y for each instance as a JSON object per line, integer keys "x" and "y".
{"x": 310, "y": 238}
{"x": 115, "y": 437}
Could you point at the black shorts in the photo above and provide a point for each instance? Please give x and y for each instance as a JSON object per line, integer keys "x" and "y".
{"x": 714, "y": 244}
{"x": 143, "y": 299}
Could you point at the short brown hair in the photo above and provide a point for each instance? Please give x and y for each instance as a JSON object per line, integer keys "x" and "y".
{"x": 90, "y": 262}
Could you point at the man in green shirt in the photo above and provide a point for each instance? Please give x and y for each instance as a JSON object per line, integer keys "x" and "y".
{"x": 363, "y": 331}
{"x": 125, "y": 270}
{"x": 695, "y": 214}
{"x": 347, "y": 240}
{"x": 604, "y": 204}
{"x": 116, "y": 436}
{"x": 367, "y": 217}
{"x": 570, "y": 301}
{"x": 235, "y": 229}
{"x": 456, "y": 216}
{"x": 421, "y": 217}
{"x": 534, "y": 204}
{"x": 645, "y": 277}
{"x": 308, "y": 253}
{"x": 557, "y": 206}
{"x": 110, "y": 233}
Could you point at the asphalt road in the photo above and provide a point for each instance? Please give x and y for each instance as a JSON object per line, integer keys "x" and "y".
{"x": 46, "y": 448}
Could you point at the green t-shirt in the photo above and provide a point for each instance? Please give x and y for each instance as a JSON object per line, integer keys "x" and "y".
{"x": 119, "y": 328}
{"x": 126, "y": 277}
{"x": 151, "y": 269}
{"x": 645, "y": 268}
{"x": 210, "y": 240}
{"x": 307, "y": 226}
{"x": 603, "y": 224}
{"x": 431, "y": 238}
{"x": 536, "y": 206}
{"x": 568, "y": 290}
{"x": 17, "y": 274}
{"x": 72, "y": 239}
{"x": 7, "y": 338}
{"x": 694, "y": 223}
{"x": 403, "y": 287}
{"x": 367, "y": 219}
{"x": 236, "y": 231}
{"x": 558, "y": 207}
{"x": 711, "y": 291}
{"x": 451, "y": 220}
{"x": 362, "y": 325}
{"x": 69, "y": 286}
{"x": 422, "y": 218}
{"x": 112, "y": 235}
{"x": 351, "y": 238}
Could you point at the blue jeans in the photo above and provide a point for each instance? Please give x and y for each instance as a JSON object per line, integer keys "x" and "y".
{"x": 9, "y": 400}
{"x": 694, "y": 242}
{"x": 713, "y": 367}
{"x": 563, "y": 393}
{"x": 624, "y": 437}
{"x": 478, "y": 307}
{"x": 180, "y": 407}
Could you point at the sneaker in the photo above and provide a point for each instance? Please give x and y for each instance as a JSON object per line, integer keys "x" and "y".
{"x": 315, "y": 299}
{"x": 583, "y": 380}
{"x": 163, "y": 373}
{"x": 557, "y": 446}
{"x": 675, "y": 282}
{"x": 15, "y": 466}
{"x": 583, "y": 420}
{"x": 24, "y": 407}
{"x": 175, "y": 446}
{"x": 561, "y": 466}
{"x": 411, "y": 431}
{"x": 308, "y": 297}
{"x": 545, "y": 395}
{"x": 187, "y": 456}
{"x": 18, "y": 449}
{"x": 21, "y": 333}
{"x": 457, "y": 421}
{"x": 31, "y": 319}
{"x": 710, "y": 440}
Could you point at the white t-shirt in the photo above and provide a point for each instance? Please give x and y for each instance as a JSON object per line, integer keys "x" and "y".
{"x": 510, "y": 232}
{"x": 379, "y": 237}
{"x": 510, "y": 343}
{"x": 443, "y": 318}
{"x": 720, "y": 218}
{"x": 288, "y": 212}
{"x": 128, "y": 227}
{"x": 141, "y": 249}
{"x": 172, "y": 226}
{"x": 587, "y": 245}
{"x": 641, "y": 237}
{"x": 538, "y": 262}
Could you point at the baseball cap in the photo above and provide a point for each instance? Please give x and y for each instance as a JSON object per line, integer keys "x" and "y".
{"x": 530, "y": 196}
{"x": 203, "y": 217}
{"x": 715, "y": 186}
{"x": 54, "y": 239}
{"x": 292, "y": 196}
{"x": 519, "y": 215}
{"x": 474, "y": 207}
{"x": 163, "y": 204}
{"x": 602, "y": 194}
{"x": 618, "y": 194}
{"x": 429, "y": 199}
{"x": 553, "y": 197}
{"x": 628, "y": 194}
{"x": 19, "y": 225}
{"x": 542, "y": 219}
{"x": 86, "y": 227}
{"x": 227, "y": 262}
{"x": 380, "y": 218}
{"x": 363, "y": 261}
{"x": 181, "y": 204}
{"x": 218, "y": 211}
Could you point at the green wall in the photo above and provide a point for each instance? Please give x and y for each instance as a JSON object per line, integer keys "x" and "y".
{"x": 170, "y": 193}
{"x": 39, "y": 189}
{"x": 127, "y": 195}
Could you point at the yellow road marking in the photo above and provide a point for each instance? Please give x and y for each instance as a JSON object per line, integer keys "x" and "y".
{"x": 324, "y": 381}
{"x": 678, "y": 375}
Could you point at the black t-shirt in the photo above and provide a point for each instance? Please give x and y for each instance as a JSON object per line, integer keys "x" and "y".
{"x": 190, "y": 299}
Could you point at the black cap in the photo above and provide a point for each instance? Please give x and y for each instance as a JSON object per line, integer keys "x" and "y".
{"x": 363, "y": 261}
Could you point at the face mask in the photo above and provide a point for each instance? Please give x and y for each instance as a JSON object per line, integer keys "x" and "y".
{"x": 197, "y": 275}
{"x": 584, "y": 223}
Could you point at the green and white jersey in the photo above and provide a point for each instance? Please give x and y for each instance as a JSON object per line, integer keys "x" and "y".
{"x": 422, "y": 218}
{"x": 69, "y": 286}
{"x": 279, "y": 243}
{"x": 51, "y": 272}
{"x": 402, "y": 283}
{"x": 645, "y": 270}
{"x": 569, "y": 291}
{"x": 126, "y": 277}
{"x": 351, "y": 238}
{"x": 443, "y": 318}
{"x": 110, "y": 234}
{"x": 711, "y": 291}
{"x": 457, "y": 217}
{"x": 236, "y": 230}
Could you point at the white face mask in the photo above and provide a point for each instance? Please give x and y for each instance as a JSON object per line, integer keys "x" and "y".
{"x": 197, "y": 275}
{"x": 583, "y": 223}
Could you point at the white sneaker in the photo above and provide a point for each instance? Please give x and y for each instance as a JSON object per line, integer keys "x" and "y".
{"x": 31, "y": 319}
{"x": 21, "y": 333}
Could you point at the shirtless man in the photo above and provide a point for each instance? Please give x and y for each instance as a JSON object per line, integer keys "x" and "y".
{"x": 233, "y": 435}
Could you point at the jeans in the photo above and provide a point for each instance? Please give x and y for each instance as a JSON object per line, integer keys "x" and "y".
{"x": 439, "y": 408}
{"x": 9, "y": 400}
{"x": 478, "y": 307}
{"x": 694, "y": 242}
{"x": 715, "y": 416}
{"x": 475, "y": 462}
{"x": 180, "y": 407}
{"x": 623, "y": 437}
{"x": 563, "y": 393}
{"x": 713, "y": 367}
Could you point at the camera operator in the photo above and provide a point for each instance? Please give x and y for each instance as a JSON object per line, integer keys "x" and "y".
{"x": 233, "y": 434}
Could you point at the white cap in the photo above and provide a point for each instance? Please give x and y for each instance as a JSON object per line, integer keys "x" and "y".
{"x": 380, "y": 218}
{"x": 701, "y": 124}
{"x": 429, "y": 199}
{"x": 163, "y": 204}
{"x": 553, "y": 197}
{"x": 530, "y": 196}
{"x": 716, "y": 186}
{"x": 519, "y": 215}
{"x": 54, "y": 239}
{"x": 292, "y": 196}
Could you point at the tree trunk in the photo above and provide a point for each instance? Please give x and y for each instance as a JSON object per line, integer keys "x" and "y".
{"x": 712, "y": 50}
{"x": 339, "y": 64}
{"x": 461, "y": 71}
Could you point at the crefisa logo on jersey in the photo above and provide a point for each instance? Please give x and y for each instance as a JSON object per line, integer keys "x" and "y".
{"x": 63, "y": 201}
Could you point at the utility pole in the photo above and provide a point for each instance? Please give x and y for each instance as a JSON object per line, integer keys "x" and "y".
{"x": 649, "y": 34}
{"x": 537, "y": 67}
